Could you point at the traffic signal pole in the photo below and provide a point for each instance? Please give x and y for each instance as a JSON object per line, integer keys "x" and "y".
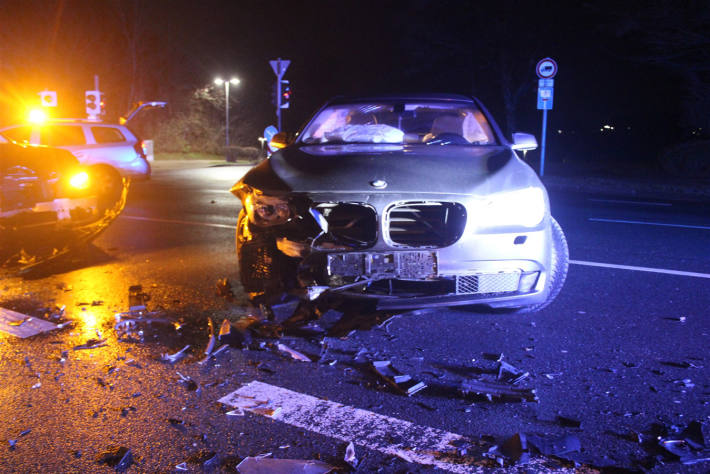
{"x": 279, "y": 67}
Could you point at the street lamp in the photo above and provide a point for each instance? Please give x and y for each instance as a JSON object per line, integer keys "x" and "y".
{"x": 219, "y": 82}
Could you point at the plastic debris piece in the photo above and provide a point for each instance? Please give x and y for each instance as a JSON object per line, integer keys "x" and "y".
{"x": 22, "y": 325}
{"x": 235, "y": 412}
{"x": 214, "y": 354}
{"x": 224, "y": 288}
{"x": 267, "y": 329}
{"x": 403, "y": 383}
{"x": 190, "y": 384}
{"x": 555, "y": 446}
{"x": 119, "y": 458}
{"x": 508, "y": 373}
{"x": 172, "y": 358}
{"x": 350, "y": 456}
{"x": 497, "y": 390}
{"x": 211, "y": 342}
{"x": 293, "y": 353}
{"x": 137, "y": 299}
{"x": 91, "y": 344}
{"x": 236, "y": 335}
{"x": 264, "y": 465}
{"x": 182, "y": 466}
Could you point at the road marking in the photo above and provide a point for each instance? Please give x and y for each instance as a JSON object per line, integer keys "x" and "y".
{"x": 622, "y": 201}
{"x": 640, "y": 269}
{"x": 621, "y": 221}
{"x": 392, "y": 436}
{"x": 171, "y": 221}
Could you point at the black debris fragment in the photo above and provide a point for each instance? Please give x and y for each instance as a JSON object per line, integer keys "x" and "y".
{"x": 402, "y": 383}
{"x": 558, "y": 446}
{"x": 497, "y": 390}
{"x": 237, "y": 334}
{"x": 119, "y": 458}
{"x": 91, "y": 344}
{"x": 688, "y": 446}
{"x": 189, "y": 384}
{"x": 568, "y": 422}
{"x": 224, "y": 289}
{"x": 137, "y": 299}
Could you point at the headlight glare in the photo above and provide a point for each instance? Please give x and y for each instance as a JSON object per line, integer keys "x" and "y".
{"x": 523, "y": 207}
{"x": 79, "y": 180}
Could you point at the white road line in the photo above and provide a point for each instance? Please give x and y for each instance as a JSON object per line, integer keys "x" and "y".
{"x": 621, "y": 221}
{"x": 640, "y": 269}
{"x": 638, "y": 203}
{"x": 391, "y": 436}
{"x": 171, "y": 221}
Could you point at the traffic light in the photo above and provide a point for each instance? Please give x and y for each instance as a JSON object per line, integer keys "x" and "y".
{"x": 48, "y": 98}
{"x": 285, "y": 93}
{"x": 102, "y": 103}
{"x": 93, "y": 103}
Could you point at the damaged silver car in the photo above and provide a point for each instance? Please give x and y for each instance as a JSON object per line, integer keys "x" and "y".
{"x": 411, "y": 201}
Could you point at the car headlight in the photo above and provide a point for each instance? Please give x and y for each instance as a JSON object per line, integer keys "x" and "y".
{"x": 265, "y": 210}
{"x": 79, "y": 180}
{"x": 523, "y": 207}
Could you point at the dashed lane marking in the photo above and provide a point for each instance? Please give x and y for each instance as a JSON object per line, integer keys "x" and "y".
{"x": 662, "y": 224}
{"x": 392, "y": 436}
{"x": 637, "y": 203}
{"x": 640, "y": 269}
{"x": 171, "y": 221}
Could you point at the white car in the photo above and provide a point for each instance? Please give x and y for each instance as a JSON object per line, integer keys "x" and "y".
{"x": 111, "y": 149}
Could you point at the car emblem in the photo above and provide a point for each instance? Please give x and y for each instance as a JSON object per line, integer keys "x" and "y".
{"x": 378, "y": 183}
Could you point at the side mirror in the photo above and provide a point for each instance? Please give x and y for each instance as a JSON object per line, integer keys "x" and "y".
{"x": 524, "y": 141}
{"x": 280, "y": 140}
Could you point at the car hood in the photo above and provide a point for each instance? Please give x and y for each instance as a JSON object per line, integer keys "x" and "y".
{"x": 414, "y": 169}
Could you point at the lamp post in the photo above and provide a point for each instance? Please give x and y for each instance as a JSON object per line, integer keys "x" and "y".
{"x": 219, "y": 82}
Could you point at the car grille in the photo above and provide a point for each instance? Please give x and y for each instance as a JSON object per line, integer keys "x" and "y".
{"x": 425, "y": 224}
{"x": 503, "y": 282}
{"x": 351, "y": 224}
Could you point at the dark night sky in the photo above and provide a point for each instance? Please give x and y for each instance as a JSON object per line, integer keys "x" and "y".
{"x": 342, "y": 47}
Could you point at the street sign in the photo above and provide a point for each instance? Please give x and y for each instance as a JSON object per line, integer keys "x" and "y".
{"x": 546, "y": 68}
{"x": 269, "y": 133}
{"x": 545, "y": 94}
{"x": 48, "y": 98}
{"x": 279, "y": 66}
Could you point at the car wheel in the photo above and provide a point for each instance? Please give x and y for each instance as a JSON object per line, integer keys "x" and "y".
{"x": 558, "y": 275}
{"x": 107, "y": 182}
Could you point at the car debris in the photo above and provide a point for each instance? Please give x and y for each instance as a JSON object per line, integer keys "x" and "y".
{"x": 569, "y": 422}
{"x": 293, "y": 353}
{"x": 224, "y": 289}
{"x": 350, "y": 456}
{"x": 211, "y": 342}
{"x": 264, "y": 465}
{"x": 689, "y": 446}
{"x": 236, "y": 335}
{"x": 23, "y": 325}
{"x": 557, "y": 446}
{"x": 91, "y": 344}
{"x": 214, "y": 354}
{"x": 190, "y": 384}
{"x": 497, "y": 390}
{"x": 137, "y": 299}
{"x": 13, "y": 442}
{"x": 510, "y": 374}
{"x": 118, "y": 457}
{"x": 172, "y": 358}
{"x": 402, "y": 383}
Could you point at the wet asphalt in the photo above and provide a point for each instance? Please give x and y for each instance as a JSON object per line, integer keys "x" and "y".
{"x": 622, "y": 351}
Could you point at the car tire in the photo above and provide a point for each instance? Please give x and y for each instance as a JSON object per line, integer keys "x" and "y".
{"x": 108, "y": 183}
{"x": 558, "y": 275}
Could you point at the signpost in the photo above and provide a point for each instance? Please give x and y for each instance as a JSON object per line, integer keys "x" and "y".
{"x": 546, "y": 70}
{"x": 279, "y": 67}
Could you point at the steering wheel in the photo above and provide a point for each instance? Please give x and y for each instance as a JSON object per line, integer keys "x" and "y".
{"x": 448, "y": 139}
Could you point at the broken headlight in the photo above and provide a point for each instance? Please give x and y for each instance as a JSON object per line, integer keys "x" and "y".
{"x": 265, "y": 210}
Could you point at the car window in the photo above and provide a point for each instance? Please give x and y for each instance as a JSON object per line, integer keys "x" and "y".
{"x": 429, "y": 123}
{"x": 107, "y": 135}
{"x": 61, "y": 135}
{"x": 18, "y": 134}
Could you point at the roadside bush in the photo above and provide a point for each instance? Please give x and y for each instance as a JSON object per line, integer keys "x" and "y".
{"x": 687, "y": 160}
{"x": 242, "y": 153}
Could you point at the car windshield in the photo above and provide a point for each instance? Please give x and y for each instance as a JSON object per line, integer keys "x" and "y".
{"x": 428, "y": 123}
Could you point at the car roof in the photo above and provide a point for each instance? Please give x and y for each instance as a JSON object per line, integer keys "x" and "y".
{"x": 400, "y": 97}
